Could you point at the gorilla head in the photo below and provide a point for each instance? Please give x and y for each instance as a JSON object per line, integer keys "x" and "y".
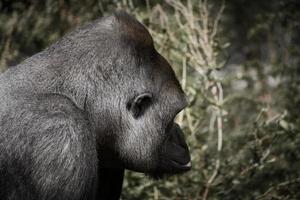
{"x": 133, "y": 97}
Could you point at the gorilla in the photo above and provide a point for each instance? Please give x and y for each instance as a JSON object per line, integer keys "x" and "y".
{"x": 75, "y": 115}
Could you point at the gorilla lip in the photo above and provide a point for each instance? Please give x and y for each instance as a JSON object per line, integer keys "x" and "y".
{"x": 181, "y": 162}
{"x": 178, "y": 152}
{"x": 184, "y": 167}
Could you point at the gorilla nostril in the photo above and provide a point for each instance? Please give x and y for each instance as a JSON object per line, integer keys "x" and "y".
{"x": 179, "y": 137}
{"x": 181, "y": 145}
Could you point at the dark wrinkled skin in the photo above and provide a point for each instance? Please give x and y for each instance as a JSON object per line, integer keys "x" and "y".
{"x": 75, "y": 115}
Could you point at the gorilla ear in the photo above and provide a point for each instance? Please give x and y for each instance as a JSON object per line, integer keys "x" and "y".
{"x": 139, "y": 104}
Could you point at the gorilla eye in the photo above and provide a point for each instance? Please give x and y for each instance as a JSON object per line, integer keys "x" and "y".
{"x": 139, "y": 104}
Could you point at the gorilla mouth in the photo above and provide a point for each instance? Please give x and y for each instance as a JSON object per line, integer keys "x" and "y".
{"x": 179, "y": 157}
{"x": 177, "y": 152}
{"x": 180, "y": 166}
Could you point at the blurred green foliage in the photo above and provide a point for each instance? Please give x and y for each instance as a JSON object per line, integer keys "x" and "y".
{"x": 252, "y": 62}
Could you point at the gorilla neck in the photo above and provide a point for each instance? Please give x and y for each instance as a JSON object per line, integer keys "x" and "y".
{"x": 48, "y": 77}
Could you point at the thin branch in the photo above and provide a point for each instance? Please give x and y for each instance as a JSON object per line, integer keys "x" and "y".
{"x": 183, "y": 83}
{"x": 217, "y": 20}
{"x": 218, "y": 95}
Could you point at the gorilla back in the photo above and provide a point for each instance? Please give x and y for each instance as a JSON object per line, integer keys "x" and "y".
{"x": 101, "y": 88}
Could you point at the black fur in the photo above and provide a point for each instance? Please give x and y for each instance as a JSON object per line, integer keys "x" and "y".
{"x": 73, "y": 116}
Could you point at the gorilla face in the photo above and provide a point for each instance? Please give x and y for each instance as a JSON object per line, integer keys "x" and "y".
{"x": 135, "y": 108}
{"x": 151, "y": 141}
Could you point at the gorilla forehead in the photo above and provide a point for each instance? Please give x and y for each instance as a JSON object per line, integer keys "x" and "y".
{"x": 121, "y": 51}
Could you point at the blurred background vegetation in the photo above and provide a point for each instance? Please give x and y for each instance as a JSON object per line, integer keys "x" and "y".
{"x": 239, "y": 63}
